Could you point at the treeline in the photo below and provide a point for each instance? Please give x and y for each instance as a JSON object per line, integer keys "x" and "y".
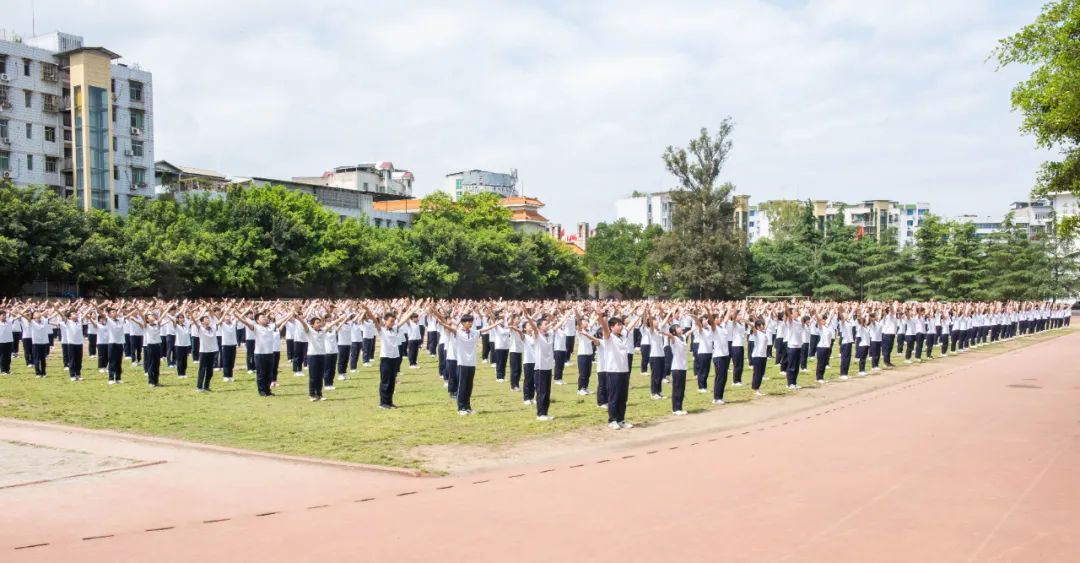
{"x": 272, "y": 242}
{"x": 948, "y": 262}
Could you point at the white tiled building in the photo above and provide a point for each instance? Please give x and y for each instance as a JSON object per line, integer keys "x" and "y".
{"x": 376, "y": 177}
{"x": 50, "y": 86}
{"x": 481, "y": 181}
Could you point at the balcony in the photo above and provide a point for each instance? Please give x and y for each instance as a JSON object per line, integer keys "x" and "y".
{"x": 50, "y": 72}
{"x": 52, "y": 103}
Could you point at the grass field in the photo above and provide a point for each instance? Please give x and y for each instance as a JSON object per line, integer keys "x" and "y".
{"x": 348, "y": 425}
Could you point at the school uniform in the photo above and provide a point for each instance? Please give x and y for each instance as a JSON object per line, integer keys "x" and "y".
{"x": 229, "y": 342}
{"x": 40, "y": 332}
{"x": 737, "y": 334}
{"x": 249, "y": 347}
{"x": 862, "y": 349}
{"x": 558, "y": 340}
{"x": 182, "y": 346}
{"x": 450, "y": 352}
{"x": 584, "y": 363}
{"x": 315, "y": 350}
{"x": 300, "y": 348}
{"x": 515, "y": 360}
{"x": 823, "y": 351}
{"x": 847, "y": 339}
{"x": 208, "y": 351}
{"x": 656, "y": 361}
{"x": 464, "y": 342}
{"x": 721, "y": 361}
{"x": 528, "y": 376}
{"x": 703, "y": 339}
{"x": 678, "y": 372}
{"x": 152, "y": 354}
{"x": 617, "y": 354}
{"x": 759, "y": 354}
{"x": 330, "y": 343}
{"x": 794, "y": 342}
{"x": 28, "y": 341}
{"x": 415, "y": 335}
{"x": 389, "y": 357}
{"x": 7, "y": 338}
{"x": 370, "y": 330}
{"x": 545, "y": 366}
{"x": 874, "y": 329}
{"x": 356, "y": 344}
{"x": 344, "y": 348}
{"x": 889, "y": 328}
{"x": 137, "y": 339}
{"x": 16, "y": 336}
{"x": 500, "y": 350}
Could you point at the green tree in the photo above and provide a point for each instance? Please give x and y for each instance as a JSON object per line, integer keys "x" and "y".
{"x": 704, "y": 253}
{"x": 887, "y": 272}
{"x": 619, "y": 256}
{"x": 1050, "y": 98}
{"x": 931, "y": 267}
{"x": 784, "y": 216}
{"x": 838, "y": 261}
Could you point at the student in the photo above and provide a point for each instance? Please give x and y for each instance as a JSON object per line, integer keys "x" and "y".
{"x": 7, "y": 337}
{"x": 464, "y": 339}
{"x": 500, "y": 346}
{"x": 889, "y": 328}
{"x": 150, "y": 329}
{"x": 314, "y": 335}
{"x": 515, "y": 356}
{"x": 27, "y": 340}
{"x": 356, "y": 343}
{"x": 136, "y": 338}
{"x": 737, "y": 337}
{"x": 847, "y": 328}
{"x": 794, "y": 343}
{"x": 759, "y": 355}
{"x": 874, "y": 328}
{"x": 330, "y": 343}
{"x": 228, "y": 342}
{"x": 344, "y": 349}
{"x": 40, "y": 329}
{"x": 824, "y": 347}
{"x": 584, "y": 358}
{"x": 862, "y": 349}
{"x": 300, "y": 347}
{"x": 182, "y": 345}
{"x": 389, "y": 355}
{"x": 168, "y": 341}
{"x": 655, "y": 338}
{"x": 101, "y": 324}
{"x": 678, "y": 368}
{"x": 558, "y": 339}
{"x": 91, "y": 337}
{"x": 249, "y": 344}
{"x": 208, "y": 350}
{"x": 720, "y": 356}
{"x": 615, "y": 348}
{"x": 16, "y": 334}
{"x": 415, "y": 334}
{"x": 266, "y": 336}
{"x": 528, "y": 348}
{"x": 911, "y": 330}
{"x": 370, "y": 330}
{"x": 543, "y": 338}
{"x": 703, "y": 340}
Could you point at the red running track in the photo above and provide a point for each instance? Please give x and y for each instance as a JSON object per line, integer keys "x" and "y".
{"x": 974, "y": 464}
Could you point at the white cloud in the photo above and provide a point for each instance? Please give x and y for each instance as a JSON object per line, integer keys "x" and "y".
{"x": 839, "y": 99}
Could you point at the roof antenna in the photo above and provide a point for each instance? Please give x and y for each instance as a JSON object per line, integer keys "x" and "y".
{"x": 33, "y": 19}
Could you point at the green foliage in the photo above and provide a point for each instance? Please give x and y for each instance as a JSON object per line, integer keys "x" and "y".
{"x": 1050, "y": 97}
{"x": 619, "y": 256}
{"x": 784, "y": 215}
{"x": 270, "y": 241}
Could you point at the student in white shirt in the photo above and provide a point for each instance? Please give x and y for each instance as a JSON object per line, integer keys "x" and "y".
{"x": 7, "y": 337}
{"x": 414, "y": 335}
{"x": 500, "y": 345}
{"x": 389, "y": 355}
{"x": 208, "y": 350}
{"x": 515, "y": 354}
{"x": 464, "y": 339}
{"x": 584, "y": 358}
{"x": 703, "y": 340}
{"x": 40, "y": 332}
{"x": 794, "y": 343}
{"x": 229, "y": 342}
{"x": 182, "y": 345}
{"x": 616, "y": 351}
{"x": 824, "y": 347}
{"x": 677, "y": 341}
{"x": 300, "y": 347}
{"x": 370, "y": 330}
{"x": 150, "y": 328}
{"x": 737, "y": 336}
{"x": 344, "y": 348}
{"x": 266, "y": 335}
{"x": 759, "y": 355}
{"x": 720, "y": 356}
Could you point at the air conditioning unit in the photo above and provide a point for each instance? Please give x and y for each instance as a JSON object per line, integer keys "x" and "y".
{"x": 129, "y": 152}
{"x": 5, "y": 78}
{"x": 7, "y": 175}
{"x": 5, "y": 141}
{"x": 142, "y": 184}
{"x": 136, "y": 131}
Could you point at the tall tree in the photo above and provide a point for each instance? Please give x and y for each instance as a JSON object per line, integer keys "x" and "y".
{"x": 888, "y": 272}
{"x": 1050, "y": 97}
{"x": 704, "y": 253}
{"x": 931, "y": 267}
{"x": 838, "y": 261}
{"x": 784, "y": 217}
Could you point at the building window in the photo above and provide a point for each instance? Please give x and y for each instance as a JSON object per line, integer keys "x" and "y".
{"x": 114, "y": 112}
{"x": 29, "y": 162}
{"x": 137, "y": 148}
{"x": 378, "y": 223}
{"x": 3, "y": 128}
{"x": 5, "y": 160}
{"x": 51, "y": 163}
{"x": 28, "y": 97}
{"x": 67, "y": 135}
{"x": 138, "y": 118}
{"x": 135, "y": 90}
{"x": 50, "y": 134}
{"x": 26, "y": 67}
{"x": 365, "y": 186}
{"x": 3, "y": 64}
{"x": 138, "y": 176}
{"x": 115, "y": 144}
{"x": 115, "y": 172}
{"x": 401, "y": 224}
{"x": 116, "y": 201}
{"x": 29, "y": 131}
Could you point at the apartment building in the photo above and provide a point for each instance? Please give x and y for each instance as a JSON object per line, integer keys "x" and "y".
{"x": 77, "y": 119}
{"x": 474, "y": 181}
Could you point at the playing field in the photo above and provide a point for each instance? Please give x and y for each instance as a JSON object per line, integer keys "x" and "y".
{"x": 348, "y": 425}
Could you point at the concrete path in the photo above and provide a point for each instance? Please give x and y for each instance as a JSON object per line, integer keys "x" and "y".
{"x": 974, "y": 464}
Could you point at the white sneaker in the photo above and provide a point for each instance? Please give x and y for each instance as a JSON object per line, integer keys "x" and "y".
{"x": 414, "y": 367}
{"x": 759, "y": 394}
{"x": 313, "y": 399}
{"x": 101, "y": 371}
{"x": 804, "y": 369}
{"x": 527, "y": 402}
{"x": 625, "y": 425}
{"x": 739, "y": 384}
{"x": 679, "y": 413}
{"x": 702, "y": 390}
{"x": 862, "y": 373}
{"x": 560, "y": 382}
{"x": 367, "y": 364}
{"x": 580, "y": 391}
{"x": 876, "y": 369}
{"x": 543, "y": 417}
{"x": 250, "y": 371}
{"x": 667, "y": 380}
{"x": 297, "y": 374}
{"x": 603, "y": 406}
{"x": 341, "y": 377}
{"x": 229, "y": 379}
{"x": 462, "y": 413}
{"x": 111, "y": 382}
{"x": 907, "y": 361}
{"x": 614, "y": 425}
{"x": 843, "y": 377}
{"x": 328, "y": 388}
{"x": 352, "y": 371}
{"x": 657, "y": 397}
{"x": 718, "y": 401}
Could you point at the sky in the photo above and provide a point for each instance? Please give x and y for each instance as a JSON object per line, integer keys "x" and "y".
{"x": 832, "y": 99}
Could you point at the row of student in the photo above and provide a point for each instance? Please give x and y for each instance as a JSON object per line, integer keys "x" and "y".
{"x": 717, "y": 336}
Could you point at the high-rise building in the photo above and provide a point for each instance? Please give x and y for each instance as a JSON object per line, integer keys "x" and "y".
{"x": 646, "y": 209}
{"x": 481, "y": 181}
{"x": 76, "y": 120}
{"x": 871, "y": 217}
